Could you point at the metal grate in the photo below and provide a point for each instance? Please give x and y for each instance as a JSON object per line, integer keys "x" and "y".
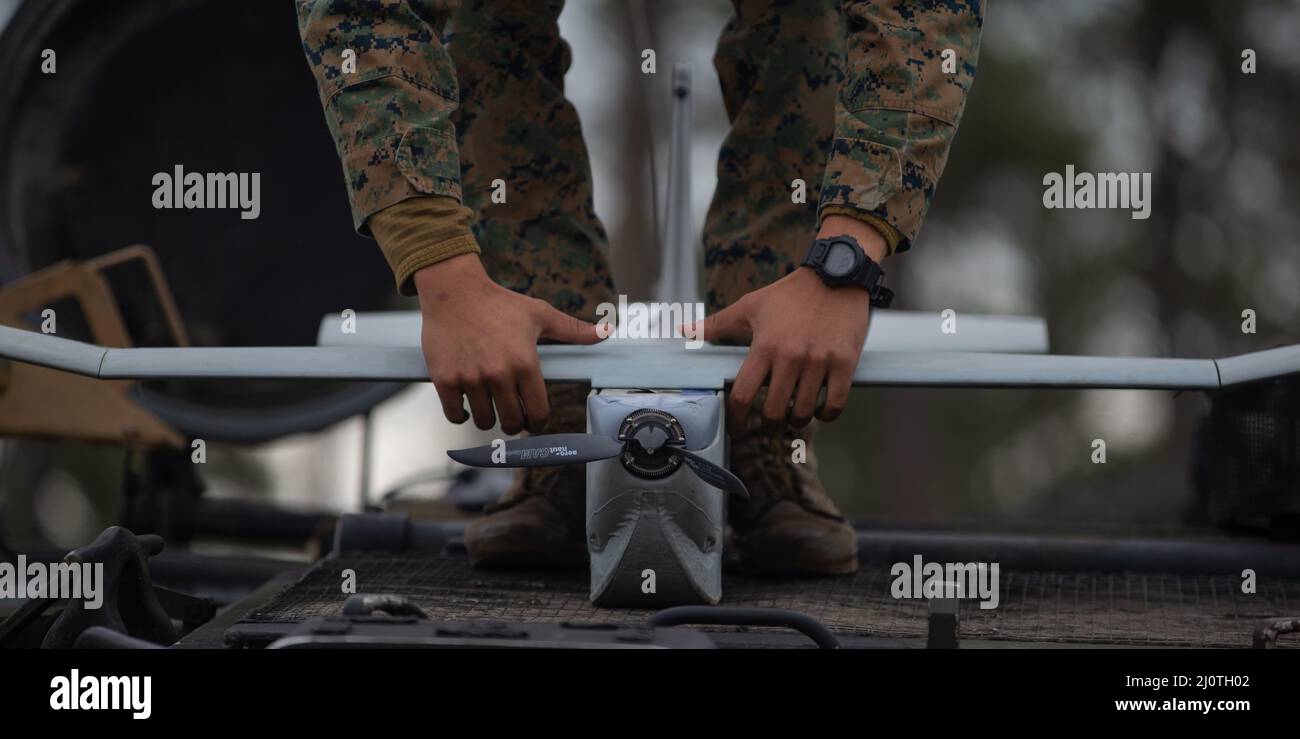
{"x": 1122, "y": 609}
{"x": 1250, "y": 477}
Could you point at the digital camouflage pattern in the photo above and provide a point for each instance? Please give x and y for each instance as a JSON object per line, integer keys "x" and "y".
{"x": 401, "y": 134}
{"x": 898, "y": 110}
{"x": 391, "y": 117}
{"x": 516, "y": 125}
{"x": 779, "y": 65}
{"x": 877, "y": 147}
{"x": 867, "y": 129}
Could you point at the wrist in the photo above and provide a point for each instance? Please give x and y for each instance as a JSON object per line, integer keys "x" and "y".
{"x": 419, "y": 232}
{"x": 808, "y": 277}
{"x": 847, "y": 255}
{"x": 438, "y": 281}
{"x": 872, "y": 242}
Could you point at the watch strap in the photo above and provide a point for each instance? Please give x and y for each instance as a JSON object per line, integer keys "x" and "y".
{"x": 868, "y": 276}
{"x": 816, "y": 255}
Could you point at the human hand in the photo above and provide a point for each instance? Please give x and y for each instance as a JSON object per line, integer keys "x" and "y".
{"x": 480, "y": 341}
{"x": 803, "y": 335}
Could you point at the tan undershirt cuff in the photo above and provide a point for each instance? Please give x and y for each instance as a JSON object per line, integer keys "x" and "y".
{"x": 418, "y": 232}
{"x": 892, "y": 237}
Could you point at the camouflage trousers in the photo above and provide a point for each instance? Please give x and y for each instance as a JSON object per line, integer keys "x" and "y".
{"x": 780, "y": 65}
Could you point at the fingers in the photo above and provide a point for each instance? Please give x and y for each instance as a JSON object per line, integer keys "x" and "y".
{"x": 791, "y": 376}
{"x": 785, "y": 373}
{"x": 730, "y": 323}
{"x": 532, "y": 392}
{"x": 838, "y": 381}
{"x": 749, "y": 380}
{"x": 480, "y": 406}
{"x": 452, "y": 405}
{"x": 733, "y": 323}
{"x": 505, "y": 396}
{"x": 495, "y": 366}
{"x": 564, "y": 328}
{"x": 810, "y": 385}
{"x": 518, "y": 397}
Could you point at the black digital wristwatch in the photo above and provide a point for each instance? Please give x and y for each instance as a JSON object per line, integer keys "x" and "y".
{"x": 840, "y": 261}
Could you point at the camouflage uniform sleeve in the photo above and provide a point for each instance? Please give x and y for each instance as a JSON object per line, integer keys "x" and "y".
{"x": 390, "y": 114}
{"x": 898, "y": 108}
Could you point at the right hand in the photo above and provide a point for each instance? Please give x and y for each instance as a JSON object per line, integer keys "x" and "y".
{"x": 480, "y": 342}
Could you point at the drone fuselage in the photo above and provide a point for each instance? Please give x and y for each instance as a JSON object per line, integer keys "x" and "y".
{"x": 654, "y": 529}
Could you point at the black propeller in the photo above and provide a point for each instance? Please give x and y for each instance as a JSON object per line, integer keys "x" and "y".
{"x": 547, "y": 449}
{"x": 540, "y": 451}
{"x": 719, "y": 477}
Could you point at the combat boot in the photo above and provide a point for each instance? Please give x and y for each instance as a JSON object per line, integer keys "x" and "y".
{"x": 789, "y": 525}
{"x": 540, "y": 523}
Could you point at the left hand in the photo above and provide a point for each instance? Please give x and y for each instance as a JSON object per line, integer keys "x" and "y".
{"x": 803, "y": 335}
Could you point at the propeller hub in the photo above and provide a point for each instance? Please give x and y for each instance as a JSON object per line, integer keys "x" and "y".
{"x": 646, "y": 434}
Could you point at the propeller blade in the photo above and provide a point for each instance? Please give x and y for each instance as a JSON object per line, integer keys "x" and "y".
{"x": 718, "y": 477}
{"x": 540, "y": 451}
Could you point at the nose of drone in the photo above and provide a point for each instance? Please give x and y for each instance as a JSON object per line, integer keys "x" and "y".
{"x": 651, "y": 438}
{"x": 655, "y": 447}
{"x": 646, "y": 432}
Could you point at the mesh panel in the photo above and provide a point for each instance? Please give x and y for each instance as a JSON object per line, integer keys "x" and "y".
{"x": 1251, "y": 478}
{"x": 1129, "y": 608}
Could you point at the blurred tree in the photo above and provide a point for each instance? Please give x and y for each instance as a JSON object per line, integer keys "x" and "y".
{"x": 1128, "y": 87}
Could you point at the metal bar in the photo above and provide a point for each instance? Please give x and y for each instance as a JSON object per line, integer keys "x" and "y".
{"x": 1263, "y": 365}
{"x": 51, "y": 351}
{"x": 731, "y": 616}
{"x": 367, "y": 430}
{"x": 642, "y": 363}
{"x": 1204, "y": 556}
{"x": 890, "y": 330}
{"x": 970, "y": 369}
{"x": 255, "y": 363}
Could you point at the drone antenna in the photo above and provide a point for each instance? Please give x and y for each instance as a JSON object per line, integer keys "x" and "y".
{"x": 679, "y": 274}
{"x": 643, "y": 37}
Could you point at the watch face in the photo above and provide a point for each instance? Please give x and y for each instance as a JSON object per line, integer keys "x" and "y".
{"x": 840, "y": 259}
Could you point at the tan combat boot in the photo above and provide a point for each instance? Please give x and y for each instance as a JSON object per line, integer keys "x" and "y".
{"x": 540, "y": 523}
{"x": 789, "y": 526}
